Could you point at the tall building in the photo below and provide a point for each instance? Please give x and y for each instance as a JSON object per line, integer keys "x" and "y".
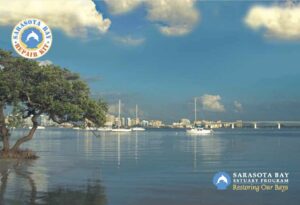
{"x": 145, "y": 123}
{"x": 123, "y": 121}
{"x": 129, "y": 122}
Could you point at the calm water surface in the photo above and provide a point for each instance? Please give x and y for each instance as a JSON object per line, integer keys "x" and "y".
{"x": 156, "y": 167}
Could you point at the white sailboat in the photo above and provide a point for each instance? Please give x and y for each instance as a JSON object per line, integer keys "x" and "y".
{"x": 136, "y": 117}
{"x": 196, "y": 130}
{"x": 119, "y": 129}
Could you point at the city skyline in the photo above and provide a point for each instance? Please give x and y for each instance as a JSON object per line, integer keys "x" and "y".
{"x": 208, "y": 50}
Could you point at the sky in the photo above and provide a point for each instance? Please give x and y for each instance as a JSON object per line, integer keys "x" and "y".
{"x": 239, "y": 58}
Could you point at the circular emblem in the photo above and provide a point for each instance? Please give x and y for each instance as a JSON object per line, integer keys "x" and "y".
{"x": 221, "y": 180}
{"x": 31, "y": 38}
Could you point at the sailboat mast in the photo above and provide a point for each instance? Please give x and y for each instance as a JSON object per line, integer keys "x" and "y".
{"x": 136, "y": 112}
{"x": 119, "y": 124}
{"x": 195, "y": 103}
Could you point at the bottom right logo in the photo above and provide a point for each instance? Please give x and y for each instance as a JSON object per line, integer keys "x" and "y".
{"x": 221, "y": 180}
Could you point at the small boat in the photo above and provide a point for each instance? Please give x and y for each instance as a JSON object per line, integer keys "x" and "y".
{"x": 138, "y": 129}
{"x": 196, "y": 130}
{"x": 199, "y": 131}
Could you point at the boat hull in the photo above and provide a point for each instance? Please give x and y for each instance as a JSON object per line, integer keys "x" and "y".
{"x": 121, "y": 130}
{"x": 199, "y": 132}
{"x": 138, "y": 129}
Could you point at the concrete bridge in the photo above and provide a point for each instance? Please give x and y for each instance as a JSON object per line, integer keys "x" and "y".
{"x": 256, "y": 124}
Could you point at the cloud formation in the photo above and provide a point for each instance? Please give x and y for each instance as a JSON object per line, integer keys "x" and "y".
{"x": 74, "y": 17}
{"x": 172, "y": 17}
{"x": 238, "y": 107}
{"x": 129, "y": 40}
{"x": 122, "y": 6}
{"x": 212, "y": 103}
{"x": 278, "y": 21}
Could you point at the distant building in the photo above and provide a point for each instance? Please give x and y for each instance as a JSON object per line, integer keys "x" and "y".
{"x": 123, "y": 122}
{"x": 135, "y": 121}
{"x": 156, "y": 123}
{"x": 110, "y": 120}
{"x": 45, "y": 121}
{"x": 185, "y": 122}
{"x": 117, "y": 122}
{"x": 176, "y": 125}
{"x": 129, "y": 122}
{"x": 145, "y": 123}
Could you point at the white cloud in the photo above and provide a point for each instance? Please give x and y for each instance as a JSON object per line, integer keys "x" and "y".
{"x": 278, "y": 21}
{"x": 212, "y": 103}
{"x": 129, "y": 40}
{"x": 122, "y": 6}
{"x": 238, "y": 107}
{"x": 74, "y": 17}
{"x": 173, "y": 17}
{"x": 45, "y": 62}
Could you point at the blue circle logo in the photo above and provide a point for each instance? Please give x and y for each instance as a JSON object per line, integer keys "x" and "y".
{"x": 221, "y": 180}
{"x": 31, "y": 38}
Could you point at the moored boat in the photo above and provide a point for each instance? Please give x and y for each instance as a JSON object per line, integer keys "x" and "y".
{"x": 138, "y": 129}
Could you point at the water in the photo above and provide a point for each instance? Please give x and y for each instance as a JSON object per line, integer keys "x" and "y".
{"x": 156, "y": 167}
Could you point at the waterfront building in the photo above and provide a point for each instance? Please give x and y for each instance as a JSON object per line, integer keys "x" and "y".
{"x": 110, "y": 120}
{"x": 156, "y": 123}
{"x": 145, "y": 123}
{"x": 129, "y": 122}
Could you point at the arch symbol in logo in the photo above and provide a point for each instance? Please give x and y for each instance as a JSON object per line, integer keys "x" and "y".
{"x": 31, "y": 38}
{"x": 221, "y": 180}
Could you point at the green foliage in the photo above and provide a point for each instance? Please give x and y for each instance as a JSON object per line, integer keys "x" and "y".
{"x": 15, "y": 120}
{"x": 48, "y": 89}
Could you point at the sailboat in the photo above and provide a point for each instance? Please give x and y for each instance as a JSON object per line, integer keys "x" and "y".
{"x": 119, "y": 129}
{"x": 136, "y": 117}
{"x": 197, "y": 130}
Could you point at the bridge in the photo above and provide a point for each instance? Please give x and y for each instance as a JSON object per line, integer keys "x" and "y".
{"x": 255, "y": 124}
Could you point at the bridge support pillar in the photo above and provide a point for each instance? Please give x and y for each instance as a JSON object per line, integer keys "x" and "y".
{"x": 279, "y": 125}
{"x": 255, "y": 125}
{"x": 232, "y": 126}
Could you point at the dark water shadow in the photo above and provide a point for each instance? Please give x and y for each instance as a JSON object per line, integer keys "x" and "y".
{"x": 91, "y": 193}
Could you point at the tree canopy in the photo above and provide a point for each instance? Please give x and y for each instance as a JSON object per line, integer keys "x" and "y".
{"x": 48, "y": 89}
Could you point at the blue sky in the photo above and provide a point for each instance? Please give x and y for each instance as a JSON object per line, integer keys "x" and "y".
{"x": 220, "y": 56}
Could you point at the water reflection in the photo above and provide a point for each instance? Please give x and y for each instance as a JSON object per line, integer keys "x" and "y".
{"x": 153, "y": 167}
{"x": 92, "y": 194}
{"x": 116, "y": 146}
{"x": 203, "y": 149}
{"x": 19, "y": 187}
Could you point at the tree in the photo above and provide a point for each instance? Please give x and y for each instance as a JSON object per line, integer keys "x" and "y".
{"x": 36, "y": 90}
